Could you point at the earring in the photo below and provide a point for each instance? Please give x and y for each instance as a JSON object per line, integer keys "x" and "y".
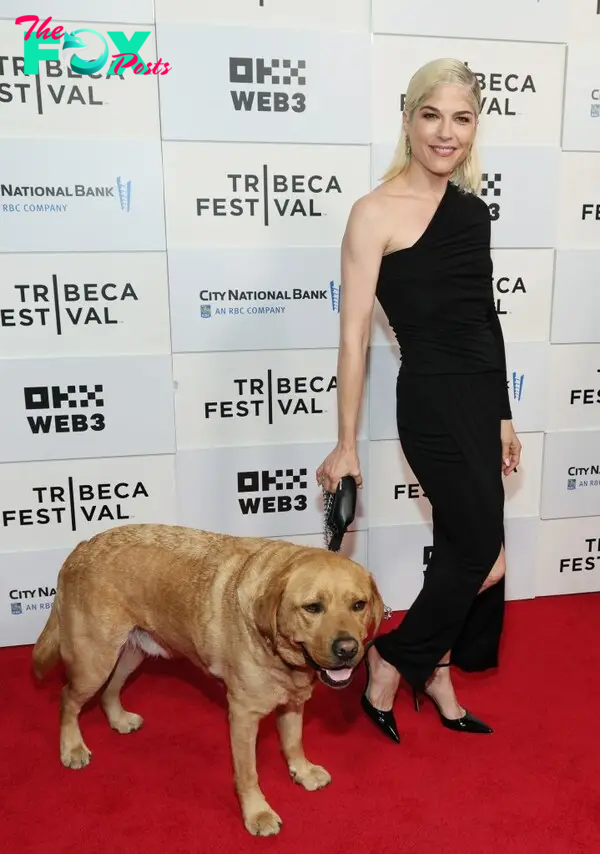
{"x": 407, "y": 145}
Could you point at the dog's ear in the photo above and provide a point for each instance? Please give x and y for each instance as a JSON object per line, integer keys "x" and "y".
{"x": 377, "y": 608}
{"x": 266, "y": 607}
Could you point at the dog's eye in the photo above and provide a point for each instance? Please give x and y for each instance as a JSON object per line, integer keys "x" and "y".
{"x": 313, "y": 607}
{"x": 359, "y": 606}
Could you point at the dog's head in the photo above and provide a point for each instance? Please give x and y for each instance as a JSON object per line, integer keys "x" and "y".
{"x": 317, "y": 610}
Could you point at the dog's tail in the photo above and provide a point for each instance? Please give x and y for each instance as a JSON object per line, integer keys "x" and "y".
{"x": 46, "y": 651}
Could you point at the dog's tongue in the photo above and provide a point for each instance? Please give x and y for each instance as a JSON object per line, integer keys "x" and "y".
{"x": 339, "y": 675}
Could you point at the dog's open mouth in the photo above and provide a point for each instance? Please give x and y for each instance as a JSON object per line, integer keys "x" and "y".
{"x": 333, "y": 677}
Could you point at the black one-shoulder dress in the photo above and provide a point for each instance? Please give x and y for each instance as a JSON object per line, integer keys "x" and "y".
{"x": 452, "y": 394}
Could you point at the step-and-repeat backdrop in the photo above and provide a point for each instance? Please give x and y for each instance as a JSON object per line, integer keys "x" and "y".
{"x": 170, "y": 277}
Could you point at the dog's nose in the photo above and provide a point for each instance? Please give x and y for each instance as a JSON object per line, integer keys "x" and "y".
{"x": 345, "y": 648}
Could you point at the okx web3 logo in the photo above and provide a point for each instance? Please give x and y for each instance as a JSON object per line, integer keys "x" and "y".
{"x": 269, "y": 85}
{"x": 41, "y": 42}
{"x": 53, "y": 401}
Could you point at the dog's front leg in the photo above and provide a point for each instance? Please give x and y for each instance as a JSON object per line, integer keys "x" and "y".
{"x": 289, "y": 725}
{"x": 259, "y": 818}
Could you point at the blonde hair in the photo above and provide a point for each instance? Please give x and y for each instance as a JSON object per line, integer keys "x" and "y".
{"x": 468, "y": 174}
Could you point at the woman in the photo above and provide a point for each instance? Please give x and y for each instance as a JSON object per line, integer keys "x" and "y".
{"x": 420, "y": 243}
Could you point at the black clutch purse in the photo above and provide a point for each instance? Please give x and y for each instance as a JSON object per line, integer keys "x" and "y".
{"x": 339, "y": 509}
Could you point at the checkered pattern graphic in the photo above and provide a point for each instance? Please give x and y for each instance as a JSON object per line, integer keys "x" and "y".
{"x": 294, "y": 480}
{"x": 290, "y": 74}
{"x": 490, "y": 184}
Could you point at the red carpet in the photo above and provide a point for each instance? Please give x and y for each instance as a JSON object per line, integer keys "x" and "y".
{"x": 532, "y": 786}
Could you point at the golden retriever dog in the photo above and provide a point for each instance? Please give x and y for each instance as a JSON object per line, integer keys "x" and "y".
{"x": 264, "y": 616}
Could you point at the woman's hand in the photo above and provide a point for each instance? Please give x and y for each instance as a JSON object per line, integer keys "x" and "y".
{"x": 511, "y": 448}
{"x": 341, "y": 461}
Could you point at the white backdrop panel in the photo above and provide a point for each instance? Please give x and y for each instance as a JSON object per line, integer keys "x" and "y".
{"x": 527, "y": 375}
{"x": 521, "y": 85}
{"x": 584, "y": 21}
{"x": 57, "y": 409}
{"x": 57, "y": 103}
{"x": 575, "y": 400}
{"x": 104, "y": 195}
{"x": 87, "y": 304}
{"x": 309, "y": 14}
{"x": 27, "y": 587}
{"x": 396, "y": 497}
{"x": 571, "y": 476}
{"x": 254, "y": 299}
{"x": 579, "y": 203}
{"x": 262, "y": 491}
{"x": 581, "y": 124}
{"x": 522, "y": 282}
{"x": 398, "y": 556}
{"x": 569, "y": 557}
{"x": 57, "y": 504}
{"x": 223, "y": 194}
{"x": 511, "y": 19}
{"x": 257, "y": 398}
{"x": 520, "y": 187}
{"x": 576, "y": 300}
{"x": 251, "y": 85}
{"x": 116, "y": 11}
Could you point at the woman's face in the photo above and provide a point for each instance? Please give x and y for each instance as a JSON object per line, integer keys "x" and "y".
{"x": 442, "y": 129}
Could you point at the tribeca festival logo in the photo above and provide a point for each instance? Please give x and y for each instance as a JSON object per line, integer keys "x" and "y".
{"x": 237, "y": 303}
{"x": 42, "y": 43}
{"x": 585, "y": 396}
{"x": 53, "y": 401}
{"x": 272, "y": 396}
{"x": 270, "y": 194}
{"x": 252, "y": 72}
{"x": 260, "y": 491}
{"x": 120, "y": 190}
{"x": 65, "y": 305}
{"x": 505, "y": 287}
{"x": 74, "y": 504}
{"x": 582, "y": 562}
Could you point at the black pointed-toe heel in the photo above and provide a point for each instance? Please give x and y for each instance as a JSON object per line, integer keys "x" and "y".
{"x": 468, "y": 722}
{"x": 384, "y": 721}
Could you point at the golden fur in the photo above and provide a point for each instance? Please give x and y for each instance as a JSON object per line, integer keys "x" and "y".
{"x": 261, "y": 615}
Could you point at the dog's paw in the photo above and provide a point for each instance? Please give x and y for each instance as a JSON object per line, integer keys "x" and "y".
{"x": 312, "y": 777}
{"x": 127, "y": 722}
{"x": 263, "y": 823}
{"x": 76, "y": 757}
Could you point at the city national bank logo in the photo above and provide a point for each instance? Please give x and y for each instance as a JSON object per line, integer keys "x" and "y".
{"x": 38, "y": 599}
{"x": 73, "y": 505}
{"x": 583, "y": 477}
{"x": 43, "y": 43}
{"x": 65, "y": 305}
{"x": 22, "y": 197}
{"x": 53, "y": 401}
{"x": 271, "y": 397}
{"x": 517, "y": 382}
{"x": 251, "y": 73}
{"x": 277, "y": 491}
{"x": 237, "y": 303}
{"x": 267, "y": 195}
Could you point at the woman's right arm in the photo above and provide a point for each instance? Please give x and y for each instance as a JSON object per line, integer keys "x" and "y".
{"x": 362, "y": 247}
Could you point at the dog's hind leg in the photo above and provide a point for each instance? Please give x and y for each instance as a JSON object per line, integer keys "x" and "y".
{"x": 88, "y": 663}
{"x": 119, "y": 719}
{"x": 289, "y": 726}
